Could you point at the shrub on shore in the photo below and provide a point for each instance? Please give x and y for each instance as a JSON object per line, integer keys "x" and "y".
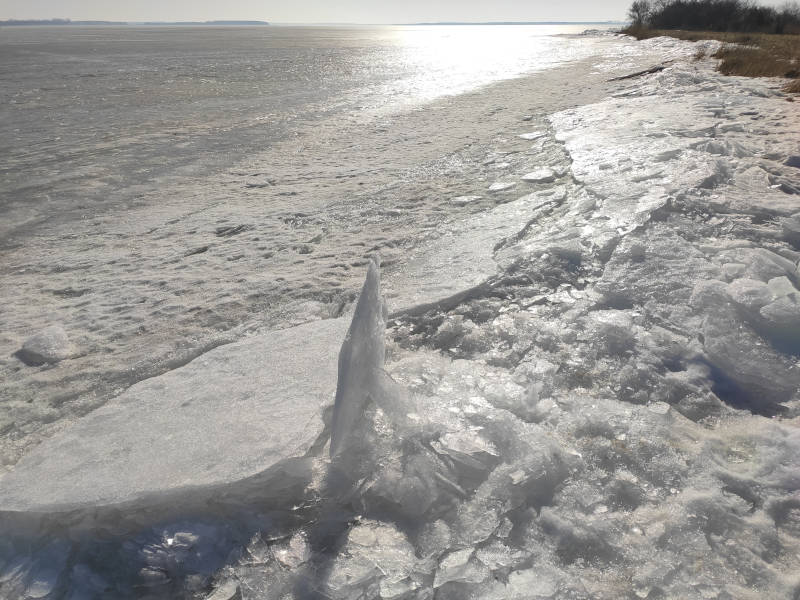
{"x": 758, "y": 41}
{"x": 714, "y": 15}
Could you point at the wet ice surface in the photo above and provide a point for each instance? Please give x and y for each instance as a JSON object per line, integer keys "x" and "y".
{"x": 589, "y": 390}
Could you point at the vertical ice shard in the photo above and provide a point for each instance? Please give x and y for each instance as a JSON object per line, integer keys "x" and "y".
{"x": 360, "y": 363}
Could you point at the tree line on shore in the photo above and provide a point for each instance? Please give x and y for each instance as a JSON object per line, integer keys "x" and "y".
{"x": 715, "y": 15}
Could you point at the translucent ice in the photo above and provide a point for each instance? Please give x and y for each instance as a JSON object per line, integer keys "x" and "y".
{"x": 360, "y": 362}
{"x": 375, "y": 557}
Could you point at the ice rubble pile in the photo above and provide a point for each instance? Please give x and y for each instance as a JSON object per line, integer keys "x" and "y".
{"x": 423, "y": 479}
{"x": 634, "y": 339}
{"x": 491, "y": 476}
{"x": 588, "y": 392}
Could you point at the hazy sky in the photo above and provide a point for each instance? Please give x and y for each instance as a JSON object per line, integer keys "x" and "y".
{"x": 311, "y": 11}
{"x": 320, "y": 11}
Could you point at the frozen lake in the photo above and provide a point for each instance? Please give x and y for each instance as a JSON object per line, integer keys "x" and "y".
{"x": 164, "y": 187}
{"x": 573, "y": 375}
{"x": 96, "y": 116}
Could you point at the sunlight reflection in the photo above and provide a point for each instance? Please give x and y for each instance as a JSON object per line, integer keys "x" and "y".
{"x": 444, "y": 60}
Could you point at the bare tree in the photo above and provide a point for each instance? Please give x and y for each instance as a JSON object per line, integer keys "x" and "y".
{"x": 791, "y": 9}
{"x": 639, "y": 12}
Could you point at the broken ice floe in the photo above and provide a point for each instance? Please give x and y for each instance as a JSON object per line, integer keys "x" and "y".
{"x": 248, "y": 409}
{"x": 533, "y": 135}
{"x": 541, "y": 175}
{"x": 461, "y": 258}
{"x": 502, "y": 186}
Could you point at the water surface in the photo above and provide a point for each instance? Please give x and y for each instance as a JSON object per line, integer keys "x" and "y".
{"x": 94, "y": 115}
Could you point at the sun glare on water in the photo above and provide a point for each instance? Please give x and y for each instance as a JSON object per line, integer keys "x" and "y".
{"x": 444, "y": 60}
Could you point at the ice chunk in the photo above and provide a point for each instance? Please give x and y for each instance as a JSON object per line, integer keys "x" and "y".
{"x": 541, "y": 175}
{"x": 760, "y": 263}
{"x": 775, "y": 302}
{"x": 576, "y": 537}
{"x": 501, "y": 186}
{"x": 533, "y": 135}
{"x": 471, "y": 454}
{"x": 375, "y": 558}
{"x": 369, "y": 405}
{"x": 733, "y": 270}
{"x": 781, "y": 286}
{"x": 659, "y": 408}
{"x": 462, "y": 200}
{"x": 460, "y": 566}
{"x": 669, "y": 270}
{"x": 453, "y": 265}
{"x": 360, "y": 362}
{"x": 750, "y": 293}
{"x": 725, "y": 147}
{"x": 252, "y": 408}
{"x": 433, "y": 539}
{"x": 51, "y": 345}
{"x": 532, "y": 583}
{"x": 782, "y": 319}
{"x": 227, "y": 591}
{"x": 760, "y": 376}
{"x": 293, "y": 553}
{"x": 614, "y": 328}
{"x": 497, "y": 555}
{"x": 791, "y": 229}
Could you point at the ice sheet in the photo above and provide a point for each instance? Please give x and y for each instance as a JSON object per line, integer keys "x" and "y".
{"x": 237, "y": 411}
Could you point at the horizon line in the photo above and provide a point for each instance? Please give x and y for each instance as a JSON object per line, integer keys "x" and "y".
{"x": 67, "y": 22}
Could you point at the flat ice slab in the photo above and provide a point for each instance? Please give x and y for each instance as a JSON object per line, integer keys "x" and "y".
{"x": 541, "y": 175}
{"x": 461, "y": 259}
{"x": 230, "y": 414}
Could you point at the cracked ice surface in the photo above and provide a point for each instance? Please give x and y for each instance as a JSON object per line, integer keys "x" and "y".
{"x": 589, "y": 390}
{"x": 436, "y": 275}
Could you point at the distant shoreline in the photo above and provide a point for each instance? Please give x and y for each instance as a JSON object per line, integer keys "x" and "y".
{"x": 518, "y": 23}
{"x": 68, "y": 22}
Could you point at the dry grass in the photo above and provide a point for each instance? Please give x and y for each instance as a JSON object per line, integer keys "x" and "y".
{"x": 746, "y": 54}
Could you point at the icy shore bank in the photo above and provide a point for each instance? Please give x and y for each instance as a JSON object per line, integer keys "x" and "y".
{"x": 590, "y": 368}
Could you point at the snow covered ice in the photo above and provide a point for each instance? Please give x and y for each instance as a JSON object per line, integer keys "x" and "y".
{"x": 246, "y": 410}
{"x": 585, "y": 385}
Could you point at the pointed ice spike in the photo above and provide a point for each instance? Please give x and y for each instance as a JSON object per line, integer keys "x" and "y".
{"x": 360, "y": 360}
